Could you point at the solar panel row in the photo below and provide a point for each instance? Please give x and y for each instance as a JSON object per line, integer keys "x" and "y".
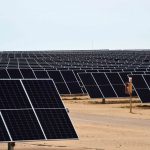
{"x": 141, "y": 84}
{"x": 75, "y": 60}
{"x": 32, "y": 110}
{"x": 103, "y": 85}
{"x": 65, "y": 81}
{"x": 59, "y": 65}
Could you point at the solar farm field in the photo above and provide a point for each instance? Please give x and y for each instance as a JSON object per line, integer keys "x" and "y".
{"x": 75, "y": 100}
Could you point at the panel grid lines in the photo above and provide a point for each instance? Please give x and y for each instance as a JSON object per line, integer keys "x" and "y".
{"x": 36, "y": 121}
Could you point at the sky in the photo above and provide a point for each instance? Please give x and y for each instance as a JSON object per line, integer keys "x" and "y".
{"x": 74, "y": 24}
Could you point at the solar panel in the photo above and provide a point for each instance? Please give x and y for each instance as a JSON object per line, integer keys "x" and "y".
{"x": 22, "y": 125}
{"x": 27, "y": 73}
{"x": 101, "y": 79}
{"x": 71, "y": 82}
{"x": 42, "y": 93}
{"x": 117, "y": 84}
{"x": 3, "y": 131}
{"x": 94, "y": 92}
{"x": 124, "y": 76}
{"x": 104, "y": 85}
{"x": 90, "y": 85}
{"x": 62, "y": 88}
{"x": 120, "y": 90}
{"x": 59, "y": 81}
{"x": 114, "y": 78}
{"x": 3, "y": 74}
{"x": 56, "y": 124}
{"x": 74, "y": 88}
{"x": 108, "y": 91}
{"x": 69, "y": 76}
{"x": 142, "y": 87}
{"x": 87, "y": 79}
{"x": 12, "y": 95}
{"x": 147, "y": 79}
{"x": 14, "y": 74}
{"x": 144, "y": 95}
{"x": 41, "y": 74}
{"x": 139, "y": 82}
{"x": 32, "y": 110}
{"x": 56, "y": 76}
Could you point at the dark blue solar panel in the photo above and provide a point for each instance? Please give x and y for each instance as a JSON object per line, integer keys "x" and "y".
{"x": 69, "y": 76}
{"x": 3, "y": 74}
{"x": 3, "y": 132}
{"x": 124, "y": 76}
{"x": 114, "y": 78}
{"x": 22, "y": 125}
{"x": 56, "y": 76}
{"x": 12, "y": 95}
{"x": 74, "y": 88}
{"x": 14, "y": 74}
{"x": 56, "y": 123}
{"x": 33, "y": 110}
{"x": 108, "y": 91}
{"x": 62, "y": 88}
{"x": 71, "y": 82}
{"x": 27, "y": 73}
{"x": 94, "y": 92}
{"x": 144, "y": 95}
{"x": 87, "y": 79}
{"x": 43, "y": 94}
{"x": 101, "y": 79}
{"x": 147, "y": 79}
{"x": 41, "y": 74}
{"x": 138, "y": 81}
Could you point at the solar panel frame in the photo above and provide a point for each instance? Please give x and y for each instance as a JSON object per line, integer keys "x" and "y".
{"x": 71, "y": 81}
{"x": 12, "y": 73}
{"x": 11, "y": 123}
{"x": 60, "y": 81}
{"x": 35, "y": 105}
{"x": 3, "y": 128}
{"x": 11, "y": 93}
{"x": 25, "y": 74}
{"x": 143, "y": 85}
{"x": 103, "y": 84}
{"x": 139, "y": 88}
{"x": 89, "y": 87}
{"x": 38, "y": 76}
{"x": 33, "y": 109}
{"x": 58, "y": 126}
{"x": 4, "y": 74}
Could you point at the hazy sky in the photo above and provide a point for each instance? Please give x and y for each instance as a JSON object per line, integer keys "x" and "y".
{"x": 74, "y": 24}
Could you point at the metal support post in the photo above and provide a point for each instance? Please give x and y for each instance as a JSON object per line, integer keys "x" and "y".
{"x": 130, "y": 103}
{"x": 103, "y": 101}
{"x": 11, "y": 145}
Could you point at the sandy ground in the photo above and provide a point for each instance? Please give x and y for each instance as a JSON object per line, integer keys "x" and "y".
{"x": 101, "y": 127}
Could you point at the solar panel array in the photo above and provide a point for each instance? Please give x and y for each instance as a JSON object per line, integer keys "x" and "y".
{"x": 141, "y": 84}
{"x": 104, "y": 85}
{"x": 64, "y": 66}
{"x": 32, "y": 110}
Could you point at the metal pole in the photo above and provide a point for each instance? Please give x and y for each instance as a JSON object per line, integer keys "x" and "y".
{"x": 11, "y": 145}
{"x": 130, "y": 93}
{"x": 130, "y": 103}
{"x": 103, "y": 101}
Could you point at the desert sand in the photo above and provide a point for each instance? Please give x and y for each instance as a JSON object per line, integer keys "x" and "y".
{"x": 101, "y": 127}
